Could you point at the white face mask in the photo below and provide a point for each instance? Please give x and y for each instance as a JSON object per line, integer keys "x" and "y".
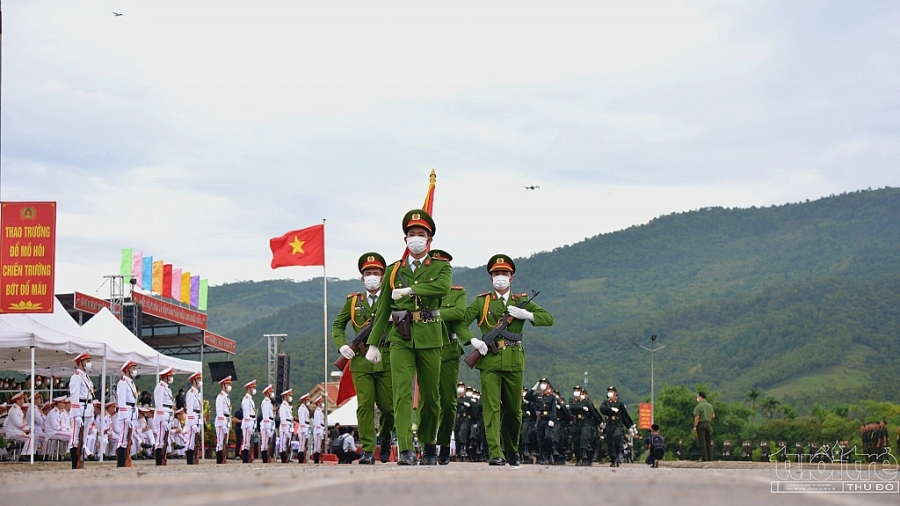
{"x": 228, "y": 389}
{"x": 290, "y": 399}
{"x": 416, "y": 244}
{"x": 253, "y": 392}
{"x": 501, "y": 282}
{"x": 199, "y": 384}
{"x": 576, "y": 395}
{"x": 88, "y": 366}
{"x": 468, "y": 394}
{"x": 170, "y": 379}
{"x": 271, "y": 395}
{"x": 543, "y": 387}
{"x": 372, "y": 282}
{"x": 610, "y": 395}
{"x": 460, "y": 390}
{"x": 699, "y": 399}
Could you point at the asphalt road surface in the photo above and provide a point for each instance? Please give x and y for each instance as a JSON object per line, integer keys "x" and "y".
{"x": 466, "y": 484}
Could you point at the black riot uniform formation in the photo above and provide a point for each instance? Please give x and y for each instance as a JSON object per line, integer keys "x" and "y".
{"x": 527, "y": 448}
{"x": 585, "y": 420}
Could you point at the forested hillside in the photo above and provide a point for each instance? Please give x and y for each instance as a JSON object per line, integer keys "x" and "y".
{"x": 799, "y": 300}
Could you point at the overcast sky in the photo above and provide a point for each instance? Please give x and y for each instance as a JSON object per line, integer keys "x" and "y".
{"x": 194, "y": 131}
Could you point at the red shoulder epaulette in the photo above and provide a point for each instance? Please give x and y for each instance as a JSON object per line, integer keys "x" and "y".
{"x": 354, "y": 294}
{"x": 485, "y": 294}
{"x": 457, "y": 288}
{"x": 522, "y": 295}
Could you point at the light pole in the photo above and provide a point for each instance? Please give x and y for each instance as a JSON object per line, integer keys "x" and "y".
{"x": 652, "y": 350}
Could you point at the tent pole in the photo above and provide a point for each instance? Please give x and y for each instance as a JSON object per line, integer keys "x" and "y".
{"x": 31, "y": 434}
{"x": 202, "y": 421}
{"x": 103, "y": 398}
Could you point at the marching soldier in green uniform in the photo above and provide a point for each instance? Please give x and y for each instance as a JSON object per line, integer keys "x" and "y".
{"x": 453, "y": 310}
{"x": 411, "y": 300}
{"x": 371, "y": 381}
{"x": 502, "y": 373}
{"x": 617, "y": 422}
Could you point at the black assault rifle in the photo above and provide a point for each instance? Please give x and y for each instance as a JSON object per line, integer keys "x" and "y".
{"x": 358, "y": 344}
{"x": 490, "y": 339}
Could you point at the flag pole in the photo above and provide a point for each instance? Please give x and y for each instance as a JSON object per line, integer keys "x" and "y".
{"x": 325, "y": 337}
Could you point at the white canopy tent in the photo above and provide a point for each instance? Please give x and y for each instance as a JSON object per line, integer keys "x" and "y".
{"x": 106, "y": 328}
{"x": 345, "y": 415}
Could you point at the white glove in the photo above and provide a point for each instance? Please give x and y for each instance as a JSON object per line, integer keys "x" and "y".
{"x": 347, "y": 352}
{"x": 550, "y": 423}
{"x": 528, "y": 413}
{"x": 479, "y": 345}
{"x": 399, "y": 293}
{"x": 373, "y": 355}
{"x": 536, "y": 385}
{"x": 585, "y": 408}
{"x": 614, "y": 409}
{"x": 467, "y": 404}
{"x": 520, "y": 314}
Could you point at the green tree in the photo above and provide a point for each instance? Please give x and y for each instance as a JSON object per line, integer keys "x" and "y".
{"x": 752, "y": 397}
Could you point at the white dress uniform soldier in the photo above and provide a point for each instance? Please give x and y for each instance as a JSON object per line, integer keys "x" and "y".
{"x": 91, "y": 440}
{"x": 177, "y": 434}
{"x": 40, "y": 436}
{"x": 146, "y": 432}
{"x": 163, "y": 401}
{"x": 56, "y": 425}
{"x": 81, "y": 394}
{"x": 302, "y": 428}
{"x": 126, "y": 413}
{"x": 286, "y": 425}
{"x": 223, "y": 419}
{"x": 15, "y": 426}
{"x": 248, "y": 423}
{"x": 318, "y": 430}
{"x": 193, "y": 407}
{"x": 108, "y": 432}
{"x": 267, "y": 422}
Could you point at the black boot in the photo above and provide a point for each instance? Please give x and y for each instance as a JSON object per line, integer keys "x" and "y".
{"x": 429, "y": 456}
{"x": 301, "y": 457}
{"x": 284, "y": 457}
{"x": 120, "y": 457}
{"x": 218, "y": 456}
{"x": 245, "y": 456}
{"x": 189, "y": 456}
{"x": 316, "y": 456}
{"x": 444, "y": 457}
{"x": 158, "y": 454}
{"x": 74, "y": 454}
{"x": 385, "y": 452}
{"x": 265, "y": 456}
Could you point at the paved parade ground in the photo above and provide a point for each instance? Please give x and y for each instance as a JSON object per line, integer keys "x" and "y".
{"x": 465, "y": 484}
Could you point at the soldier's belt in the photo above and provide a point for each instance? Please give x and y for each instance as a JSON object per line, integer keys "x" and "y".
{"x": 417, "y": 315}
{"x": 613, "y": 417}
{"x": 545, "y": 413}
{"x": 502, "y": 344}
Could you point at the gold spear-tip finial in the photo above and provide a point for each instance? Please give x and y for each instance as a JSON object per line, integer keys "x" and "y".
{"x": 433, "y": 177}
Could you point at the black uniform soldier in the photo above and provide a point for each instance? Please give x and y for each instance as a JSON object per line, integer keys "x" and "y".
{"x": 586, "y": 418}
{"x": 526, "y": 434}
{"x": 561, "y": 432}
{"x": 463, "y": 420}
{"x": 544, "y": 402}
{"x": 617, "y": 420}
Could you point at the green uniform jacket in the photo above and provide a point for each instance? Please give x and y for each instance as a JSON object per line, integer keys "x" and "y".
{"x": 453, "y": 311}
{"x": 512, "y": 358}
{"x": 357, "y": 314}
{"x": 431, "y": 282}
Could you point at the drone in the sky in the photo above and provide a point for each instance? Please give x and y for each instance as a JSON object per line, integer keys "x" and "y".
{"x": 533, "y": 187}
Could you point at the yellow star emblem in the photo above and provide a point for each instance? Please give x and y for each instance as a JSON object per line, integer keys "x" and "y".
{"x": 297, "y": 245}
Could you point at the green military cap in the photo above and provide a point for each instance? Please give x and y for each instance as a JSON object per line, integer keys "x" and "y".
{"x": 611, "y": 389}
{"x": 576, "y": 387}
{"x": 501, "y": 262}
{"x": 439, "y": 254}
{"x": 418, "y": 218}
{"x": 460, "y": 383}
{"x": 371, "y": 260}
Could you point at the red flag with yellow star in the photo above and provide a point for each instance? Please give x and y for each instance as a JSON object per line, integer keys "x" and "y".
{"x": 299, "y": 247}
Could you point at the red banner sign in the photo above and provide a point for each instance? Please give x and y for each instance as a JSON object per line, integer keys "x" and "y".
{"x": 27, "y": 256}
{"x": 218, "y": 342}
{"x": 646, "y": 416}
{"x": 169, "y": 311}
{"x": 89, "y": 304}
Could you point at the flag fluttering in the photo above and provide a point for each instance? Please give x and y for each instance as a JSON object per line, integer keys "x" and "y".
{"x": 299, "y": 247}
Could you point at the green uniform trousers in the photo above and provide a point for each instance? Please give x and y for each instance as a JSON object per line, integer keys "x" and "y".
{"x": 449, "y": 375}
{"x": 373, "y": 389}
{"x": 501, "y": 396}
{"x": 407, "y": 364}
